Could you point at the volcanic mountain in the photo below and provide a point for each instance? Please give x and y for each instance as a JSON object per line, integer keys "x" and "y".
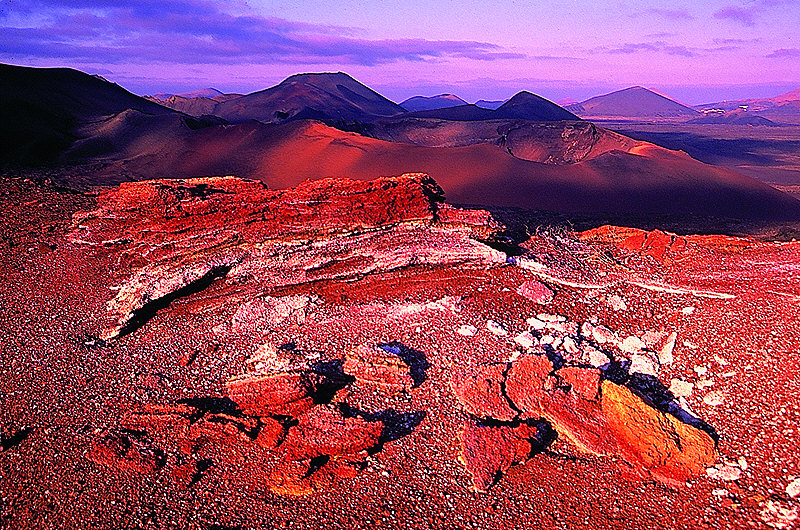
{"x": 433, "y": 102}
{"x": 633, "y": 102}
{"x": 329, "y": 97}
{"x": 523, "y": 106}
{"x": 41, "y": 107}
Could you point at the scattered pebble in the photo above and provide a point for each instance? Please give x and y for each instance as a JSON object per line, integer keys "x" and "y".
{"x": 536, "y": 292}
{"x": 616, "y": 303}
{"x": 643, "y": 364}
{"x": 632, "y": 345}
{"x": 714, "y": 399}
{"x": 546, "y": 317}
{"x": 688, "y": 310}
{"x": 536, "y": 324}
{"x": 526, "y": 340}
{"x": 597, "y": 358}
{"x": 680, "y": 388}
{"x": 467, "y": 330}
{"x": 704, "y": 383}
{"x": 496, "y": 328}
{"x": 720, "y": 361}
{"x": 603, "y": 335}
{"x": 701, "y": 370}
{"x": 724, "y": 472}
{"x": 665, "y": 355}
{"x": 690, "y": 345}
{"x": 793, "y": 488}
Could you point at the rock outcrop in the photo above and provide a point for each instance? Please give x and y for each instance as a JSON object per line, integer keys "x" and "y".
{"x": 179, "y": 236}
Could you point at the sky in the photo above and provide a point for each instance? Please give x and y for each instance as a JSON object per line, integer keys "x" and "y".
{"x": 695, "y": 52}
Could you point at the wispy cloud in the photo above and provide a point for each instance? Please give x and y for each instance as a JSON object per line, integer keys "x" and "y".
{"x": 653, "y": 47}
{"x": 785, "y": 53}
{"x": 748, "y": 13}
{"x": 202, "y": 32}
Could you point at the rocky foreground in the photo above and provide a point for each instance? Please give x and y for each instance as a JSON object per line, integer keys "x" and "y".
{"x": 211, "y": 353}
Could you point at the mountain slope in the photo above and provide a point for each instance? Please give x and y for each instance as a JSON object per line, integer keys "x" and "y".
{"x": 330, "y": 97}
{"x": 41, "y": 107}
{"x": 633, "y": 102}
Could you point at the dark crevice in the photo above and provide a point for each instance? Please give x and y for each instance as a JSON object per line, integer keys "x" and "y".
{"x": 396, "y": 425}
{"x": 416, "y": 360}
{"x": 12, "y": 440}
{"x": 201, "y": 467}
{"x": 141, "y": 316}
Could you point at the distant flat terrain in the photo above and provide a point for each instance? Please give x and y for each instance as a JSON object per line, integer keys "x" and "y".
{"x": 769, "y": 154}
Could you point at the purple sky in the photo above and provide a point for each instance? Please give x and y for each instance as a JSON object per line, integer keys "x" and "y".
{"x": 694, "y": 52}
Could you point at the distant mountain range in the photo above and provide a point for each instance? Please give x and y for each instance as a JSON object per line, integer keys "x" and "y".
{"x": 441, "y": 101}
{"x": 782, "y": 108}
{"x": 100, "y": 134}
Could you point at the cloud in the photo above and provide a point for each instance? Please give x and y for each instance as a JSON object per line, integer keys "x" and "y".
{"x": 655, "y": 46}
{"x": 201, "y": 32}
{"x": 785, "y": 53}
{"x": 748, "y": 14}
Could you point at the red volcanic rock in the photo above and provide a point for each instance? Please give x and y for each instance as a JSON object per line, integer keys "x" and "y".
{"x": 263, "y": 394}
{"x": 127, "y": 451}
{"x": 181, "y": 235}
{"x": 379, "y": 366}
{"x": 660, "y": 444}
{"x": 270, "y": 433}
{"x": 152, "y": 210}
{"x": 488, "y": 451}
{"x": 536, "y": 292}
{"x": 324, "y": 431}
{"x": 525, "y": 383}
{"x": 479, "y": 389}
{"x": 598, "y": 417}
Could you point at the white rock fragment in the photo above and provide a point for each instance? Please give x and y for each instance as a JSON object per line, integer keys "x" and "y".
{"x": 603, "y": 335}
{"x": 496, "y": 328}
{"x": 547, "y": 317}
{"x": 728, "y": 374}
{"x": 704, "y": 383}
{"x": 724, "y": 472}
{"x": 742, "y": 463}
{"x": 547, "y": 339}
{"x": 643, "y": 364}
{"x": 687, "y": 310}
{"x": 467, "y": 330}
{"x": 680, "y": 388}
{"x": 526, "y": 340}
{"x": 720, "y": 492}
{"x": 701, "y": 370}
{"x": 586, "y": 330}
{"x": 616, "y": 303}
{"x": 690, "y": 345}
{"x": 720, "y": 361}
{"x": 632, "y": 345}
{"x": 597, "y": 358}
{"x": 536, "y": 324}
{"x": 665, "y": 354}
{"x": 793, "y": 488}
{"x": 714, "y": 399}
{"x": 779, "y": 515}
{"x": 653, "y": 338}
{"x": 557, "y": 342}
{"x": 570, "y": 346}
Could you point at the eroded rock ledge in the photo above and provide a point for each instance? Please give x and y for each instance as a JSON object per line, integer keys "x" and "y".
{"x": 181, "y": 235}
